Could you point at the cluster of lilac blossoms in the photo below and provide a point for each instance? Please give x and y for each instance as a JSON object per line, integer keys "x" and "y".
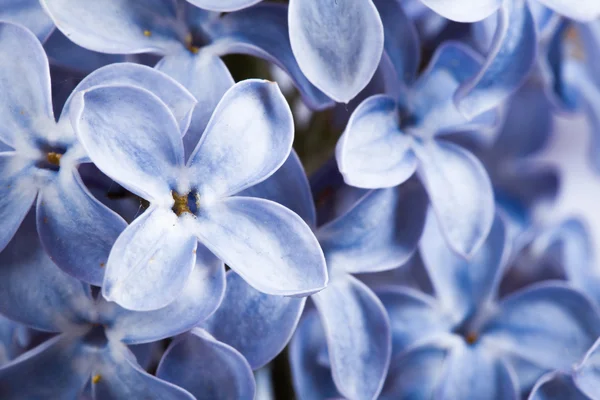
{"x": 311, "y": 199}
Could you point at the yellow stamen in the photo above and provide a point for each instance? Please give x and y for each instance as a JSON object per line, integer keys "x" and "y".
{"x": 471, "y": 338}
{"x": 147, "y": 33}
{"x": 181, "y": 204}
{"x": 54, "y": 158}
{"x": 189, "y": 44}
{"x": 96, "y": 379}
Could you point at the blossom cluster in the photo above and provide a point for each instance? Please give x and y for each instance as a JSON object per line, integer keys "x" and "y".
{"x": 169, "y": 233}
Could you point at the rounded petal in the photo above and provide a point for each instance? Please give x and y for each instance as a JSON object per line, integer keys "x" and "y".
{"x": 207, "y": 368}
{"x": 116, "y": 375}
{"x": 289, "y": 187}
{"x": 223, "y": 5}
{"x": 151, "y": 261}
{"x": 544, "y": 316}
{"x": 312, "y": 379}
{"x": 379, "y": 233}
{"x": 207, "y": 78}
{"x": 373, "y": 152}
{"x": 76, "y": 230}
{"x": 34, "y": 291}
{"x": 118, "y": 26}
{"x": 248, "y": 137}
{"x": 59, "y": 368}
{"x": 580, "y": 10}
{"x": 132, "y": 137}
{"x": 463, "y": 286}
{"x": 202, "y": 294}
{"x": 587, "y": 375}
{"x": 414, "y": 317}
{"x": 26, "y": 102}
{"x": 257, "y": 325}
{"x": 262, "y": 31}
{"x": 473, "y": 373}
{"x": 267, "y": 244}
{"x": 174, "y": 95}
{"x": 338, "y": 44}
{"x": 463, "y": 10}
{"x": 358, "y": 336}
{"x": 460, "y": 192}
{"x": 508, "y": 62}
{"x": 28, "y": 13}
{"x": 17, "y": 193}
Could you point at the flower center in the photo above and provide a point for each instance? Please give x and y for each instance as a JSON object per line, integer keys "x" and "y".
{"x": 196, "y": 39}
{"x": 471, "y": 338}
{"x": 186, "y": 203}
{"x": 52, "y": 159}
{"x": 96, "y": 337}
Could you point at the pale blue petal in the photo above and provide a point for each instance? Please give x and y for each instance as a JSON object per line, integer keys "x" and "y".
{"x": 248, "y": 137}
{"x": 338, "y": 44}
{"x": 28, "y": 13}
{"x": 373, "y": 152}
{"x": 200, "y": 297}
{"x": 587, "y": 375}
{"x": 257, "y": 325}
{"x": 272, "y": 248}
{"x": 118, "y": 26}
{"x": 508, "y": 62}
{"x": 132, "y": 137}
{"x": 151, "y": 261}
{"x": 463, "y": 10}
{"x": 460, "y": 192}
{"x": 380, "y": 232}
{"x": 557, "y": 386}
{"x": 223, "y": 5}
{"x": 207, "y": 368}
{"x": 580, "y": 10}
{"x": 358, "y": 336}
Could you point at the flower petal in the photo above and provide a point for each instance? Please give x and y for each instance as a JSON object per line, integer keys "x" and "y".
{"x": 26, "y": 102}
{"x": 76, "y": 230}
{"x": 28, "y": 13}
{"x": 151, "y": 261}
{"x": 373, "y": 152}
{"x": 544, "y": 316}
{"x": 379, "y": 233}
{"x": 207, "y": 78}
{"x": 460, "y": 192}
{"x": 257, "y": 325}
{"x": 580, "y": 10}
{"x": 508, "y": 62}
{"x": 248, "y": 138}
{"x": 289, "y": 187}
{"x": 463, "y": 10}
{"x": 338, "y": 44}
{"x": 464, "y": 286}
{"x": 312, "y": 379}
{"x": 59, "y": 368}
{"x": 202, "y": 294}
{"x": 223, "y": 5}
{"x": 207, "y": 368}
{"x": 132, "y": 137}
{"x": 120, "y": 377}
{"x": 262, "y": 31}
{"x": 587, "y": 375}
{"x": 267, "y": 244}
{"x": 118, "y": 26}
{"x": 473, "y": 373}
{"x": 415, "y": 373}
{"x": 17, "y": 194}
{"x": 402, "y": 44}
{"x": 358, "y": 336}
{"x": 34, "y": 291}
{"x": 556, "y": 386}
{"x": 414, "y": 317}
{"x": 174, "y": 95}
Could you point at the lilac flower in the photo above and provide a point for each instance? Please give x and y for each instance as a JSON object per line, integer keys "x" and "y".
{"x": 389, "y": 138}
{"x": 464, "y": 343}
{"x": 190, "y": 39}
{"x": 93, "y": 335}
{"x": 133, "y": 138}
{"x": 40, "y": 156}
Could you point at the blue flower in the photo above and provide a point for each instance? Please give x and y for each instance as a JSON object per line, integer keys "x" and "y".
{"x": 389, "y": 138}
{"x": 189, "y": 38}
{"x": 92, "y": 335}
{"x": 464, "y": 343}
{"x": 39, "y": 157}
{"x": 134, "y": 138}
